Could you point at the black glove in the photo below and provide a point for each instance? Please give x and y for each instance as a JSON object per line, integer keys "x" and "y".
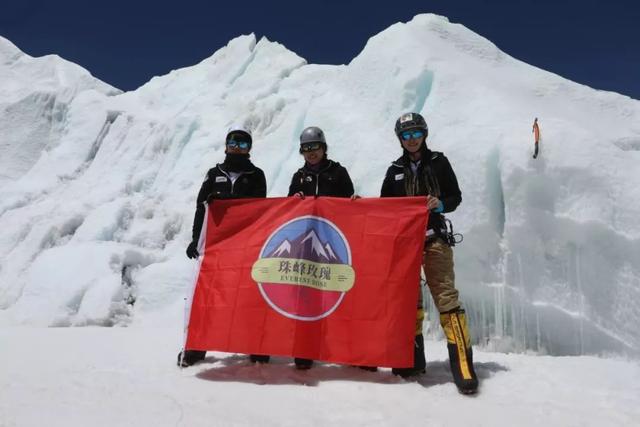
{"x": 192, "y": 250}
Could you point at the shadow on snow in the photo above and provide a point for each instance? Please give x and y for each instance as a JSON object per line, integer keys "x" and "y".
{"x": 281, "y": 371}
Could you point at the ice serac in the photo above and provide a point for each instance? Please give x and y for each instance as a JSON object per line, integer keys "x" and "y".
{"x": 551, "y": 256}
{"x": 35, "y": 94}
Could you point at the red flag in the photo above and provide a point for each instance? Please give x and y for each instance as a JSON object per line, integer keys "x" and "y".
{"x": 324, "y": 279}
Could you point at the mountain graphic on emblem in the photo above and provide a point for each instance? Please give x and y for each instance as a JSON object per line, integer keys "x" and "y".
{"x": 306, "y": 246}
{"x": 283, "y": 249}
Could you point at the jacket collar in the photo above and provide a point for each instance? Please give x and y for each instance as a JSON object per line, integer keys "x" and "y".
{"x": 251, "y": 169}
{"x": 324, "y": 165}
{"x": 404, "y": 160}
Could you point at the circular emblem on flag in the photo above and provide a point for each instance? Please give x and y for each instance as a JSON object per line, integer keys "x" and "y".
{"x": 304, "y": 269}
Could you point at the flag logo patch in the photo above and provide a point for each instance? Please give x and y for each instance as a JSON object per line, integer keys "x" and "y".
{"x": 304, "y": 268}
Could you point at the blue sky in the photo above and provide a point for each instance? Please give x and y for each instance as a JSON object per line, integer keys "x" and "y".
{"x": 125, "y": 43}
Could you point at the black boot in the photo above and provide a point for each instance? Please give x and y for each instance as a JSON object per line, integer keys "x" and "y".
{"x": 190, "y": 357}
{"x": 419, "y": 362}
{"x": 460, "y": 353}
{"x": 259, "y": 358}
{"x": 303, "y": 364}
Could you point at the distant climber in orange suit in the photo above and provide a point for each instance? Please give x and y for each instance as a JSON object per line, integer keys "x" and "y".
{"x": 536, "y": 136}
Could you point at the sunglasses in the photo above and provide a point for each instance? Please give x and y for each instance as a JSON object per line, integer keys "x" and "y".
{"x": 412, "y": 134}
{"x": 243, "y": 145}
{"x": 310, "y": 146}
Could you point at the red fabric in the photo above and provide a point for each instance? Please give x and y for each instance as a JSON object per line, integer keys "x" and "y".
{"x": 374, "y": 322}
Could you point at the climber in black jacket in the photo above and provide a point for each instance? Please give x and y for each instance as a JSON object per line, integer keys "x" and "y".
{"x": 318, "y": 177}
{"x": 237, "y": 177}
{"x": 422, "y": 172}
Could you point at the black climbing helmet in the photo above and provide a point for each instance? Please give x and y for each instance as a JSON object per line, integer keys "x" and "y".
{"x": 410, "y": 121}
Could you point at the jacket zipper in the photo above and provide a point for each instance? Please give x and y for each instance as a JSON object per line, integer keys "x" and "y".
{"x": 233, "y": 183}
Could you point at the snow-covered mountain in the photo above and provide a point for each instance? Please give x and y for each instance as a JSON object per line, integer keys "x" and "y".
{"x": 35, "y": 95}
{"x": 97, "y": 197}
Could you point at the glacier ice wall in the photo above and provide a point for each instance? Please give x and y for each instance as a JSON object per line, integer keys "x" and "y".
{"x": 97, "y": 198}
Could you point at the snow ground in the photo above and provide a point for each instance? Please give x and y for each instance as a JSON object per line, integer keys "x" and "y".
{"x": 127, "y": 377}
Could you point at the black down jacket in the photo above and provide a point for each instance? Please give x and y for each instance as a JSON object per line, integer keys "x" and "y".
{"x": 434, "y": 177}
{"x": 331, "y": 179}
{"x": 219, "y": 184}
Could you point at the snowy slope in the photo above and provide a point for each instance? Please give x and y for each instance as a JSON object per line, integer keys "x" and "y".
{"x": 551, "y": 256}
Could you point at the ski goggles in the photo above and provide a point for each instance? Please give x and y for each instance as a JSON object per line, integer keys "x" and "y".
{"x": 310, "y": 146}
{"x": 243, "y": 145}
{"x": 411, "y": 134}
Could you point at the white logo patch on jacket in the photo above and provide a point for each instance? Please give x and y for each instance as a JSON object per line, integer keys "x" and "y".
{"x": 221, "y": 179}
{"x": 399, "y": 177}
